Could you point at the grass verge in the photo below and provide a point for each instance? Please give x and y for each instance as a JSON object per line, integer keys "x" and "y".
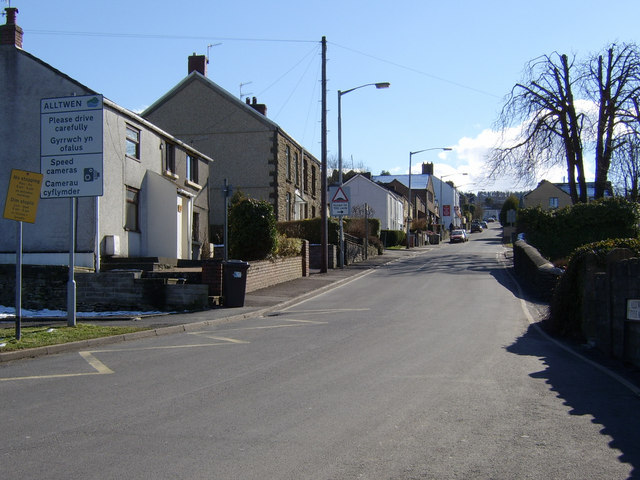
{"x": 33, "y": 337}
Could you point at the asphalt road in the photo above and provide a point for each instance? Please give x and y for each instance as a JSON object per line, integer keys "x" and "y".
{"x": 428, "y": 368}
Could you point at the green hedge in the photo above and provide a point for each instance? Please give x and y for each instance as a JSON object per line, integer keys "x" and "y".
{"x": 392, "y": 238}
{"x": 252, "y": 230}
{"x": 557, "y": 233}
{"x": 310, "y": 230}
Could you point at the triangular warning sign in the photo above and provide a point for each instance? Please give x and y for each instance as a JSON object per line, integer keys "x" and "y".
{"x": 340, "y": 196}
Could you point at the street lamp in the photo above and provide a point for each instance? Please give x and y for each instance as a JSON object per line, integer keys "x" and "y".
{"x": 441, "y": 202}
{"x": 411, "y": 154}
{"x": 340, "y": 94}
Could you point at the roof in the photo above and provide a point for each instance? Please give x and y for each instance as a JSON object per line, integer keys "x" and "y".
{"x": 418, "y": 181}
{"x": 196, "y": 76}
{"x": 359, "y": 177}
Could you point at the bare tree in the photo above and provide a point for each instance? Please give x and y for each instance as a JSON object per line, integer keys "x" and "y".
{"x": 625, "y": 167}
{"x": 613, "y": 83}
{"x": 543, "y": 106}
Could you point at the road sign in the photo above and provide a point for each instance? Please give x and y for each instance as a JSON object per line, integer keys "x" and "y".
{"x": 23, "y": 196}
{"x": 71, "y": 146}
{"x": 340, "y": 205}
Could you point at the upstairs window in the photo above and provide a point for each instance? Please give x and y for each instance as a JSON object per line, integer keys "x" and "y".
{"x": 288, "y": 159}
{"x": 297, "y": 168}
{"x": 170, "y": 158}
{"x": 192, "y": 168}
{"x": 133, "y": 142}
{"x": 553, "y": 202}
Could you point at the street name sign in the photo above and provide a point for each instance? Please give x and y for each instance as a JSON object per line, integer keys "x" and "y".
{"x": 71, "y": 146}
{"x": 23, "y": 196}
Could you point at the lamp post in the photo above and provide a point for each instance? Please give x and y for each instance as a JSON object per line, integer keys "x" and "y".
{"x": 441, "y": 202}
{"x": 411, "y": 154}
{"x": 340, "y": 94}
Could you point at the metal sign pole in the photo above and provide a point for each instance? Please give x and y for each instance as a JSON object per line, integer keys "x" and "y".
{"x": 71, "y": 284}
{"x": 19, "y": 282}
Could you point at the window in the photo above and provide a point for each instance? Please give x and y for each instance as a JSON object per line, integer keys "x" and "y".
{"x": 297, "y": 168}
{"x": 170, "y": 158}
{"x": 288, "y": 206}
{"x": 133, "y": 142}
{"x": 288, "y": 155}
{"x": 192, "y": 169}
{"x": 195, "y": 228}
{"x": 131, "y": 209}
{"x": 553, "y": 202}
{"x": 313, "y": 181}
{"x": 305, "y": 178}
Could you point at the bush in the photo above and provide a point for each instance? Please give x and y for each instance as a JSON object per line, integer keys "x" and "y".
{"x": 310, "y": 229}
{"x": 392, "y": 238}
{"x": 252, "y": 230}
{"x": 288, "y": 247}
{"x": 557, "y": 233}
{"x": 565, "y": 313}
{"x": 356, "y": 227}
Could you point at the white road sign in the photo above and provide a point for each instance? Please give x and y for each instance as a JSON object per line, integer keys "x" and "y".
{"x": 71, "y": 146}
{"x": 340, "y": 205}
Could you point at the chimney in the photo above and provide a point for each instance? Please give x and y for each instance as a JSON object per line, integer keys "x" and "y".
{"x": 198, "y": 63}
{"x": 258, "y": 107}
{"x": 10, "y": 33}
{"x": 427, "y": 168}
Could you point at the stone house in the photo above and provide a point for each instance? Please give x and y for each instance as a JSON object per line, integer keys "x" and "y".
{"x": 154, "y": 198}
{"x": 253, "y": 153}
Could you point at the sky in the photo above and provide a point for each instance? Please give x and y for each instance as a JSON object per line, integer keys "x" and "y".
{"x": 450, "y": 65}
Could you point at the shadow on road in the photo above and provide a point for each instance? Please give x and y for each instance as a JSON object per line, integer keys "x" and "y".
{"x": 588, "y": 391}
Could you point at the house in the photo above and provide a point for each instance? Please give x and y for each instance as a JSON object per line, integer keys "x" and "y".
{"x": 551, "y": 196}
{"x": 154, "y": 196}
{"x": 252, "y": 152}
{"x": 440, "y": 199}
{"x": 386, "y": 206}
{"x": 547, "y": 195}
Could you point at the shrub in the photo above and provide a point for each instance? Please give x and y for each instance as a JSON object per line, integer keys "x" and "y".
{"x": 557, "y": 233}
{"x": 310, "y": 229}
{"x": 252, "y": 229}
{"x": 288, "y": 247}
{"x": 392, "y": 238}
{"x": 565, "y": 313}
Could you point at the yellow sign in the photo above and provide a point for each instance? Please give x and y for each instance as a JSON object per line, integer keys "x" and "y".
{"x": 23, "y": 196}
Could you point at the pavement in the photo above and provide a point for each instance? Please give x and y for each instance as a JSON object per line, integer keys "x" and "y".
{"x": 257, "y": 303}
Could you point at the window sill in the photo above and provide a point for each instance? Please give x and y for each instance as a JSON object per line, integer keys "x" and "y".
{"x": 193, "y": 185}
{"x": 170, "y": 174}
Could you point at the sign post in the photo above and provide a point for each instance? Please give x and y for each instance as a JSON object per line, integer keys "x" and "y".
{"x": 21, "y": 205}
{"x": 71, "y": 132}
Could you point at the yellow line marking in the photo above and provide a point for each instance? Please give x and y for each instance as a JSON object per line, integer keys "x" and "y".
{"x": 224, "y": 339}
{"x": 100, "y": 367}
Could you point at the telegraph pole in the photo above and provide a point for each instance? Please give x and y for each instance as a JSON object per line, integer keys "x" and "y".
{"x": 323, "y": 196}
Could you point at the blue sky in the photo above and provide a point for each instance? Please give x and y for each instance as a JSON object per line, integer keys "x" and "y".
{"x": 450, "y": 64}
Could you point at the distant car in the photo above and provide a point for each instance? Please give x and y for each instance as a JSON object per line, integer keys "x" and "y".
{"x": 484, "y": 224}
{"x": 476, "y": 227}
{"x": 458, "y": 236}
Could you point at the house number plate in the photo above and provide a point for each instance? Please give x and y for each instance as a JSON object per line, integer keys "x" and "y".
{"x": 633, "y": 309}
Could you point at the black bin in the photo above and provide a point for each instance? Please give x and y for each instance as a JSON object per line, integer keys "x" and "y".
{"x": 234, "y": 282}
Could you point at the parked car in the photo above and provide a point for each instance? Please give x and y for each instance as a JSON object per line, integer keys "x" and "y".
{"x": 476, "y": 227}
{"x": 458, "y": 236}
{"x": 484, "y": 224}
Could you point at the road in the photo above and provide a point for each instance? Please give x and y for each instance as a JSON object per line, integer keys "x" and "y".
{"x": 426, "y": 368}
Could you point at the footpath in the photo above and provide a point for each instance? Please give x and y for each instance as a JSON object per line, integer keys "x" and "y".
{"x": 257, "y": 303}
